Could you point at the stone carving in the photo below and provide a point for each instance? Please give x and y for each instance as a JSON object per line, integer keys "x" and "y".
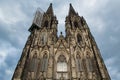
{"x": 65, "y": 63}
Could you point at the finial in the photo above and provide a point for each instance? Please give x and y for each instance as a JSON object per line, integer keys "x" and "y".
{"x": 61, "y": 33}
{"x": 50, "y": 10}
{"x": 71, "y": 10}
{"x": 50, "y": 4}
{"x": 70, "y": 4}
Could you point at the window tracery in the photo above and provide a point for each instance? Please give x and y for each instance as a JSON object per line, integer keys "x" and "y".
{"x": 79, "y": 63}
{"x": 89, "y": 63}
{"x": 44, "y": 63}
{"x": 34, "y": 63}
{"x": 43, "y": 39}
{"x": 62, "y": 67}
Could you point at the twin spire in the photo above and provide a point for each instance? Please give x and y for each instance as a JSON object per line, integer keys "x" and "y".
{"x": 71, "y": 10}
{"x": 38, "y": 18}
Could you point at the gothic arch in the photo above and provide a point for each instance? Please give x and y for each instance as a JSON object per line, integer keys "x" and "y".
{"x": 34, "y": 52}
{"x": 61, "y": 63}
{"x": 33, "y": 62}
{"x": 44, "y": 62}
{"x": 44, "y": 52}
{"x": 78, "y": 51}
{"x": 62, "y": 67}
{"x": 79, "y": 38}
{"x": 62, "y": 53}
{"x": 88, "y": 51}
{"x": 44, "y": 38}
{"x": 79, "y": 62}
{"x": 89, "y": 62}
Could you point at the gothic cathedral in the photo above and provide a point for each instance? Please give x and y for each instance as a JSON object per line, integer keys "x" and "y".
{"x": 47, "y": 56}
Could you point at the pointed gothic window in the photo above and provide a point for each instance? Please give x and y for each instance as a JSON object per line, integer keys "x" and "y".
{"x": 79, "y": 38}
{"x": 79, "y": 63}
{"x": 61, "y": 64}
{"x": 62, "y": 67}
{"x": 34, "y": 63}
{"x": 46, "y": 24}
{"x": 89, "y": 63}
{"x": 76, "y": 24}
{"x": 44, "y": 63}
{"x": 43, "y": 39}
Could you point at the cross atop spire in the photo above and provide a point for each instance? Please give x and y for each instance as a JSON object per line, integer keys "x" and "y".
{"x": 50, "y": 10}
{"x": 71, "y": 10}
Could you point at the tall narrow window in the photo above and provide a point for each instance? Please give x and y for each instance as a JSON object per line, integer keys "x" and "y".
{"x": 89, "y": 63}
{"x": 75, "y": 24}
{"x": 44, "y": 63}
{"x": 43, "y": 39}
{"x": 34, "y": 63}
{"x": 46, "y": 23}
{"x": 79, "y": 38}
{"x": 61, "y": 67}
{"x": 79, "y": 63}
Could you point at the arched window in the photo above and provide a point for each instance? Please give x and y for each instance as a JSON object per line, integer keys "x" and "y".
{"x": 61, "y": 64}
{"x": 75, "y": 24}
{"x": 79, "y": 63}
{"x": 62, "y": 68}
{"x": 89, "y": 63}
{"x": 79, "y": 38}
{"x": 44, "y": 63}
{"x": 43, "y": 39}
{"x": 34, "y": 63}
{"x": 46, "y": 24}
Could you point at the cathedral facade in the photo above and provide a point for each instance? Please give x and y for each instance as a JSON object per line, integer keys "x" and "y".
{"x": 47, "y": 56}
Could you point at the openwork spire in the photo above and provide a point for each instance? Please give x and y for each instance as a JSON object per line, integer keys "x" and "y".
{"x": 71, "y": 10}
{"x": 50, "y": 10}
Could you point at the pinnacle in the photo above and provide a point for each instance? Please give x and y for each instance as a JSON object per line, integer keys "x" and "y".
{"x": 50, "y": 10}
{"x": 71, "y": 10}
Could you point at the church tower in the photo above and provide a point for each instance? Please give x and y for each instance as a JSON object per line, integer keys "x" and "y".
{"x": 47, "y": 56}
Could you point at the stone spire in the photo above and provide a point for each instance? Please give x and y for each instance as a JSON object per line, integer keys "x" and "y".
{"x": 50, "y": 10}
{"x": 71, "y": 10}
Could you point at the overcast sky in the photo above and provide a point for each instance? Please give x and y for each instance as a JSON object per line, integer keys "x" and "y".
{"x": 102, "y": 16}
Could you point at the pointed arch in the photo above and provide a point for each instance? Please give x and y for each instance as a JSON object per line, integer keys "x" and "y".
{"x": 79, "y": 62}
{"x": 61, "y": 64}
{"x": 44, "y": 62}
{"x": 34, "y": 63}
{"x": 79, "y": 38}
{"x": 43, "y": 38}
{"x": 89, "y": 62}
{"x": 62, "y": 67}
